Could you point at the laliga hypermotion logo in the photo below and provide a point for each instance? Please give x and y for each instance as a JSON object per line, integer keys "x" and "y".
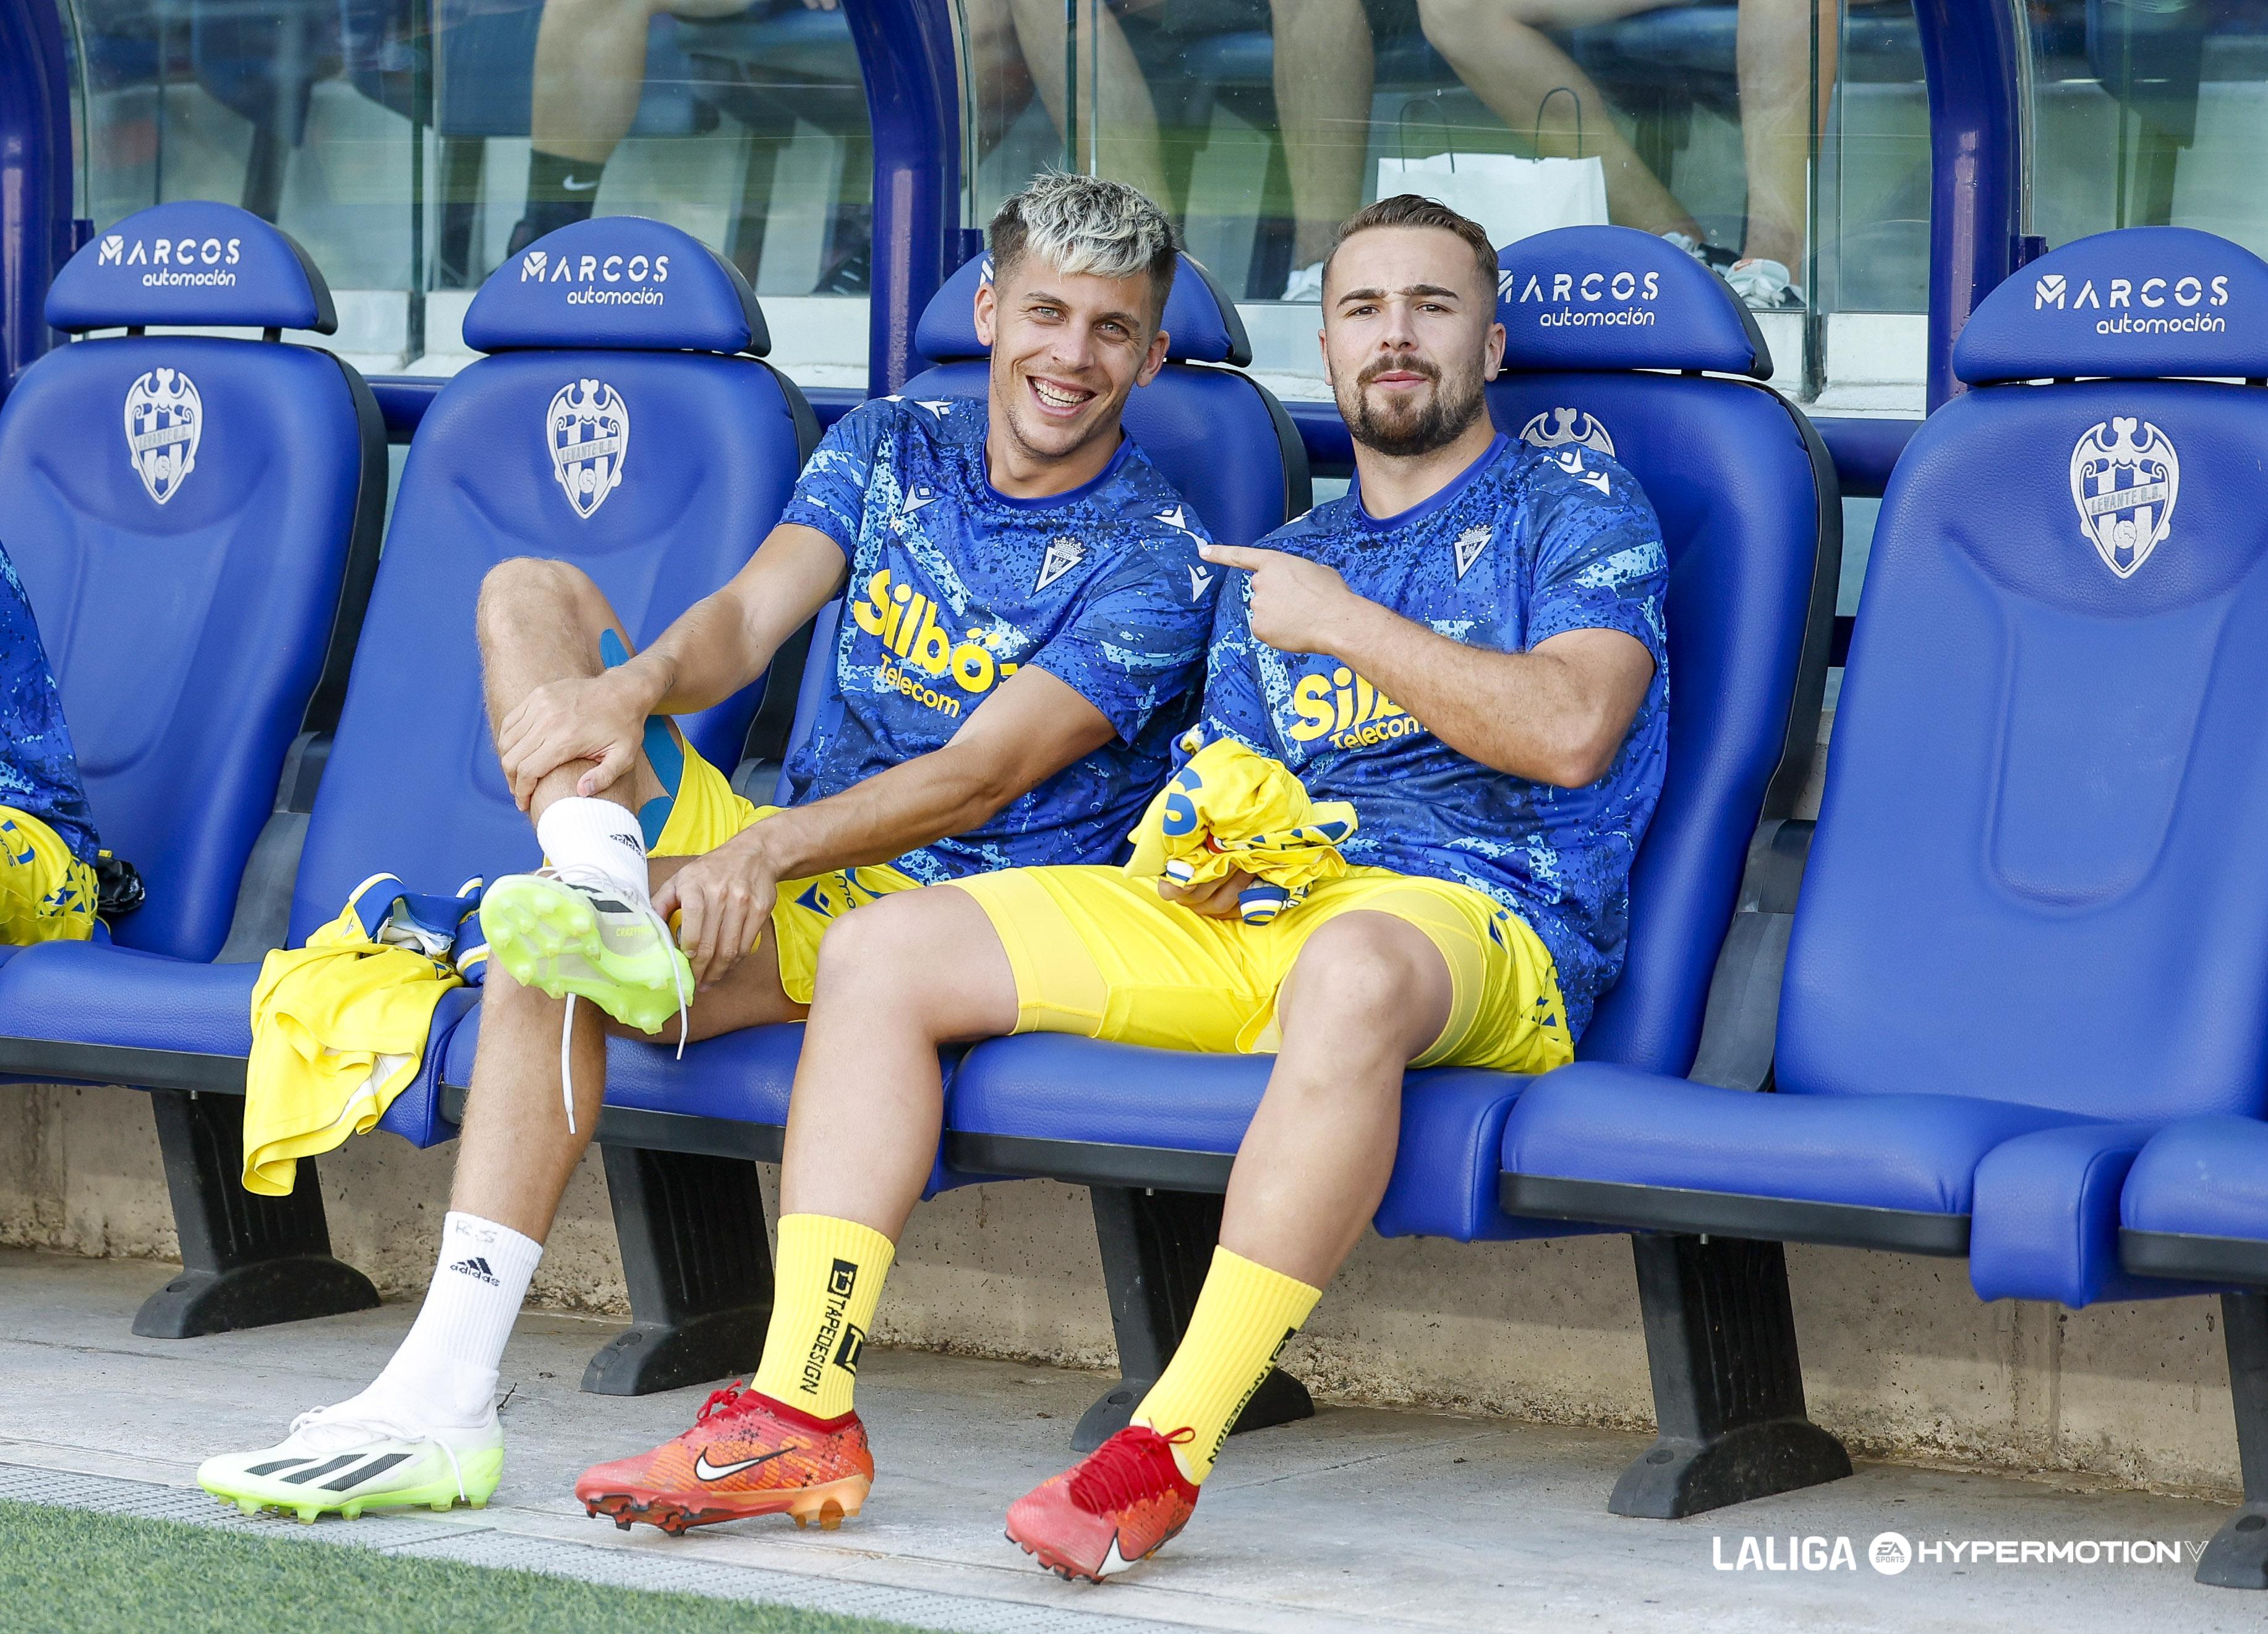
{"x": 165, "y": 421}
{"x": 2125, "y": 488}
{"x": 588, "y": 432}
{"x": 1557, "y": 428}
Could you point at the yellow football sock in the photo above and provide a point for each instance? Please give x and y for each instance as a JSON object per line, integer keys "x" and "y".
{"x": 1245, "y": 1313}
{"x": 825, "y": 1284}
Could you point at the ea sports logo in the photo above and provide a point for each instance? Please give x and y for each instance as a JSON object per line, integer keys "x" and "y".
{"x": 587, "y": 431}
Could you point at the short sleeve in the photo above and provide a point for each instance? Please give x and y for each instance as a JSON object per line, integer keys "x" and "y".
{"x": 1599, "y": 559}
{"x": 1135, "y": 641}
{"x": 831, "y": 494}
{"x": 1234, "y": 707}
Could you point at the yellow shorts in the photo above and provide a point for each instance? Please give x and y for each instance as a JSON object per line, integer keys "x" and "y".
{"x": 1099, "y": 955}
{"x": 707, "y": 812}
{"x": 46, "y": 894}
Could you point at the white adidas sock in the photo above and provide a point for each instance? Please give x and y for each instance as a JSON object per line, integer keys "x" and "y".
{"x": 445, "y": 1374}
{"x": 596, "y": 833}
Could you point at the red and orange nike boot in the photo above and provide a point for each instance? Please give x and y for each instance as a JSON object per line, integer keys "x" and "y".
{"x": 1118, "y": 1504}
{"x": 746, "y": 1454}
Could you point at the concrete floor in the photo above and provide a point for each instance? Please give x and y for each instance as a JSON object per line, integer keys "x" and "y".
{"x": 1358, "y": 1519}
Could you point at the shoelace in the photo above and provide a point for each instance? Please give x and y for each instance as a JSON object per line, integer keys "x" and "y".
{"x": 721, "y": 1401}
{"x": 588, "y": 879}
{"x": 359, "y": 1431}
{"x": 1122, "y": 1471}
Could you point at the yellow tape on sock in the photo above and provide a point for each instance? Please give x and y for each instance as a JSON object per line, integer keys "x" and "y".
{"x": 1245, "y": 1313}
{"x": 826, "y": 1283}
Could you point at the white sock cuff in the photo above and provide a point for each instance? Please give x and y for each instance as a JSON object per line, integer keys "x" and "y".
{"x": 444, "y": 1372}
{"x": 510, "y": 1256}
{"x": 594, "y": 834}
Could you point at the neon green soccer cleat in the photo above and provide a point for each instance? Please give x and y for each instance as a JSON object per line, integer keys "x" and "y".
{"x": 349, "y": 1467}
{"x": 568, "y": 933}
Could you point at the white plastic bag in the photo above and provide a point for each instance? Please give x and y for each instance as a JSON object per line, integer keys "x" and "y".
{"x": 1510, "y": 196}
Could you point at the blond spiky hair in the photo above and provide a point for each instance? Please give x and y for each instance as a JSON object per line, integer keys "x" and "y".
{"x": 1086, "y": 224}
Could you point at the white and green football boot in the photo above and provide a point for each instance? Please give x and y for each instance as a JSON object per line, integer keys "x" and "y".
{"x": 573, "y": 933}
{"x": 351, "y": 1466}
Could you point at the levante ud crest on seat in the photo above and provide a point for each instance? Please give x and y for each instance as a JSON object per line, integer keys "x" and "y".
{"x": 1558, "y": 428}
{"x": 165, "y": 421}
{"x": 589, "y": 432}
{"x": 2125, "y": 479}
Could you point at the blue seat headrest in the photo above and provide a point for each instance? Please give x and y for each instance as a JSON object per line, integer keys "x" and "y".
{"x": 1201, "y": 323}
{"x": 1614, "y": 297}
{"x": 191, "y": 264}
{"x": 618, "y": 283}
{"x": 2134, "y": 304}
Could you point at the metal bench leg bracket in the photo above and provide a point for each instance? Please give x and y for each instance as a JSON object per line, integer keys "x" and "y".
{"x": 1727, "y": 1383}
{"x": 699, "y": 1269}
{"x": 1157, "y": 1246}
{"x": 247, "y": 1261}
{"x": 2237, "y": 1557}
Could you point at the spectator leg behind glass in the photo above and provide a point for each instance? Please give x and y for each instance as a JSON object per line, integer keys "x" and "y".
{"x": 1325, "y": 67}
{"x": 1776, "y": 125}
{"x": 1126, "y": 118}
{"x": 1499, "y": 49}
{"x": 590, "y": 72}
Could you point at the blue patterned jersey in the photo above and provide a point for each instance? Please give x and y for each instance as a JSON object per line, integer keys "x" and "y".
{"x": 38, "y": 773}
{"x": 1524, "y": 545}
{"x": 955, "y": 586}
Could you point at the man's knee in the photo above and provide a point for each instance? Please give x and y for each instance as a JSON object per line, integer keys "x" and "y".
{"x": 911, "y": 957}
{"x": 526, "y": 591}
{"x": 1452, "y": 27}
{"x": 878, "y": 946}
{"x": 1366, "y": 971}
{"x": 1448, "y": 24}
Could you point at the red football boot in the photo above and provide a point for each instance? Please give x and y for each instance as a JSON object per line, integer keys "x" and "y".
{"x": 1119, "y": 1504}
{"x": 746, "y": 1454}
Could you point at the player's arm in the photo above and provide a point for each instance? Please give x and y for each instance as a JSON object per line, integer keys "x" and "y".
{"x": 717, "y": 646}
{"x": 1554, "y": 714}
{"x": 1032, "y": 726}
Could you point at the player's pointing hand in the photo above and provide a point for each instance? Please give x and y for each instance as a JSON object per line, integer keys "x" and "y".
{"x": 1298, "y": 605}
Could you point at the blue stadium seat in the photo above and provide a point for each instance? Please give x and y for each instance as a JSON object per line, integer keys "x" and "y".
{"x": 712, "y": 443}
{"x": 1751, "y": 516}
{"x": 2031, "y": 926}
{"x": 196, "y": 520}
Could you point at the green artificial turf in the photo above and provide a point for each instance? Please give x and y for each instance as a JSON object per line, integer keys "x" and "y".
{"x": 72, "y": 1571}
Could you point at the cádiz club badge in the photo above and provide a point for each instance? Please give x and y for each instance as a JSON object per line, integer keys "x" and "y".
{"x": 165, "y": 421}
{"x": 2124, "y": 487}
{"x": 588, "y": 432}
{"x": 1557, "y": 428}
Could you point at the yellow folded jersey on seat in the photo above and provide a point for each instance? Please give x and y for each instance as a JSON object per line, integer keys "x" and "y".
{"x": 339, "y": 1026}
{"x": 1231, "y": 807}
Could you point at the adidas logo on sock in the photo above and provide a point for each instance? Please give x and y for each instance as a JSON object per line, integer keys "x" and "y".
{"x": 629, "y": 842}
{"x": 478, "y": 1269}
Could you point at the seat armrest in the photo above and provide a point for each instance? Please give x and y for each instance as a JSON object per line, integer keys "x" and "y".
{"x": 758, "y": 780}
{"x": 1741, "y": 1025}
{"x": 263, "y": 919}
